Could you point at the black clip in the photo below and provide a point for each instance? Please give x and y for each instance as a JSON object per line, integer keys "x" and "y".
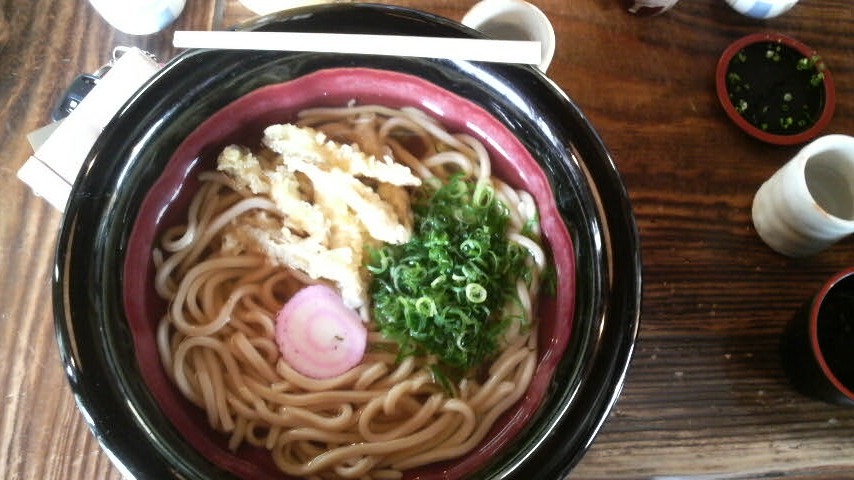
{"x": 83, "y": 84}
{"x": 80, "y": 87}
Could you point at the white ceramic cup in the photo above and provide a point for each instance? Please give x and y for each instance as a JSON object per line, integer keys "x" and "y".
{"x": 513, "y": 20}
{"x": 139, "y": 17}
{"x": 808, "y": 204}
{"x": 761, "y": 8}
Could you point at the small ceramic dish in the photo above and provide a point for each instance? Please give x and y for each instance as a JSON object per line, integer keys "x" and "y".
{"x": 816, "y": 346}
{"x": 775, "y": 88}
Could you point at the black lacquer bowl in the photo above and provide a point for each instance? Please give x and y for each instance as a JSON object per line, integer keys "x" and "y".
{"x": 142, "y": 166}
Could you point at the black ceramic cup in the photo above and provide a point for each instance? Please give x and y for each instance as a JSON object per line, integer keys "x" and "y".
{"x": 818, "y": 343}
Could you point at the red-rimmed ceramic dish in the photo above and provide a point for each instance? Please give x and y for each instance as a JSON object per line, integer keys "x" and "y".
{"x": 775, "y": 88}
{"x": 103, "y": 306}
{"x": 816, "y": 346}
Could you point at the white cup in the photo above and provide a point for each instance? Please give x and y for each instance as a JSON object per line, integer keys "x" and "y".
{"x": 514, "y": 20}
{"x": 808, "y": 204}
{"x": 139, "y": 17}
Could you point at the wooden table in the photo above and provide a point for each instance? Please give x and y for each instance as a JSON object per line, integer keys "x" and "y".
{"x": 705, "y": 396}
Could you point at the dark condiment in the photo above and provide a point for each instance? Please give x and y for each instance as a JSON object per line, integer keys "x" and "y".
{"x": 836, "y": 331}
{"x": 776, "y": 88}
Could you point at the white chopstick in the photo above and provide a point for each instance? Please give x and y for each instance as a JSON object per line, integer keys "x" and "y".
{"x": 472, "y": 49}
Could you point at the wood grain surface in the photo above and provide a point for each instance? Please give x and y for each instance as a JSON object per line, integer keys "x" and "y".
{"x": 705, "y": 396}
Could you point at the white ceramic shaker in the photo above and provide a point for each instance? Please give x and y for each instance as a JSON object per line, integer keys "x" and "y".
{"x": 761, "y": 9}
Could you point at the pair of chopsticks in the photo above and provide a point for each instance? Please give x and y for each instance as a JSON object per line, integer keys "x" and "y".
{"x": 471, "y": 49}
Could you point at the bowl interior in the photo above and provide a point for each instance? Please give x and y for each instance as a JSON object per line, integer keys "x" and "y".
{"x": 242, "y": 122}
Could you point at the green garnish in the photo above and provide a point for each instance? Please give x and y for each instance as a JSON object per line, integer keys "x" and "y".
{"x": 443, "y": 292}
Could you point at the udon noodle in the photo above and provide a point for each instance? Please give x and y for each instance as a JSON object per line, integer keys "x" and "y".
{"x": 387, "y": 414}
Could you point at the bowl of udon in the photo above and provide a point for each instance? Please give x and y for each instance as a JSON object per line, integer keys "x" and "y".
{"x": 303, "y": 265}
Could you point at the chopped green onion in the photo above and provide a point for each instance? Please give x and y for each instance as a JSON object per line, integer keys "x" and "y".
{"x": 443, "y": 292}
{"x": 475, "y": 293}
